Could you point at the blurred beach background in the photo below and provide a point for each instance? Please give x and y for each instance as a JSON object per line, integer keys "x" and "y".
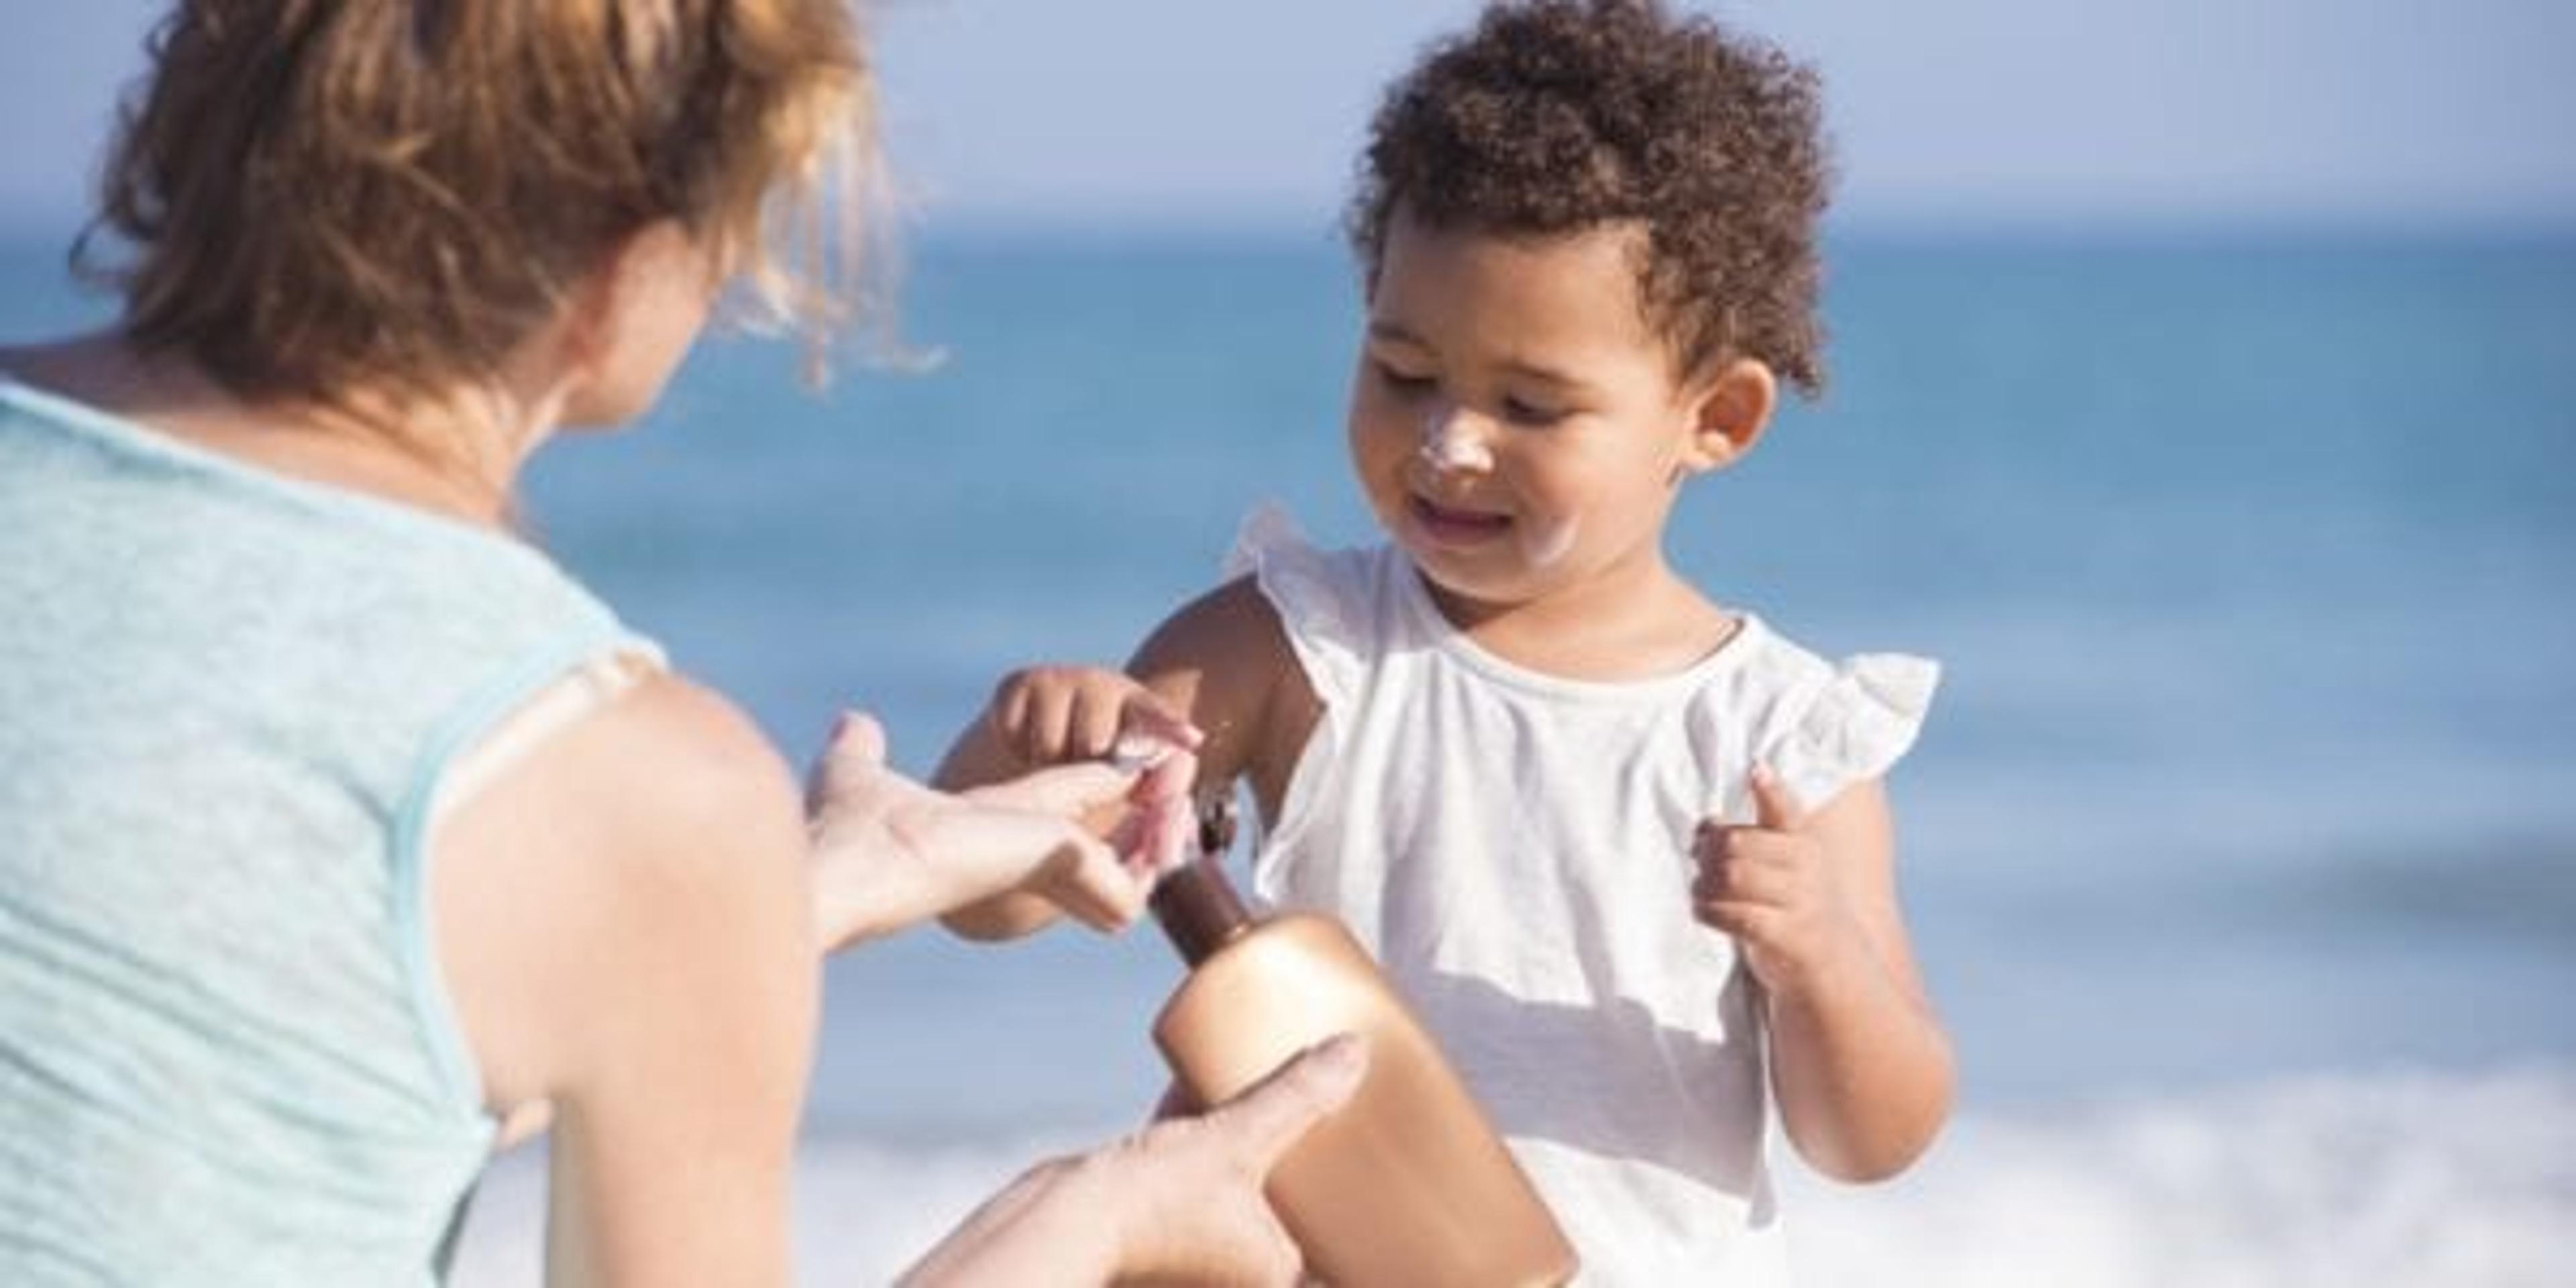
{"x": 2204, "y": 395}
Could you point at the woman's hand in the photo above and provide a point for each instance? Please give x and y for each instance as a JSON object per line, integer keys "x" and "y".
{"x": 1177, "y": 1203}
{"x": 890, "y": 852}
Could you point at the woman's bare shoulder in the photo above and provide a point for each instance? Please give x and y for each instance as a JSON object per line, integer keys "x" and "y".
{"x": 648, "y": 858}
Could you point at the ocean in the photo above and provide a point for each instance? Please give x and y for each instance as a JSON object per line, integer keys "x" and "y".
{"x": 2240, "y": 851}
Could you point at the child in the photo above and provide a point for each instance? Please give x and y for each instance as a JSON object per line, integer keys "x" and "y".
{"x": 1624, "y": 849}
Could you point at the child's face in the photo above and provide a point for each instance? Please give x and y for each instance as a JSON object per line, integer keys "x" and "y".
{"x": 1518, "y": 427}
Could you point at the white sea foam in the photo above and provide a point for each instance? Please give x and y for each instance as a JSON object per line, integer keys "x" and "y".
{"x": 2460, "y": 1180}
{"x": 864, "y": 1211}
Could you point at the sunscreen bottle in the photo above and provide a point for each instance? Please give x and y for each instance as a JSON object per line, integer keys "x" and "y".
{"x": 1406, "y": 1186}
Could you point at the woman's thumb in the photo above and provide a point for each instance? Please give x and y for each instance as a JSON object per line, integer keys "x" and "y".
{"x": 856, "y": 746}
{"x": 1266, "y": 1120}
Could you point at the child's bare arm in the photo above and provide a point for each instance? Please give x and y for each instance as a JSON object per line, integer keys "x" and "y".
{"x": 1225, "y": 661}
{"x": 1862, "y": 1068}
{"x": 1220, "y": 664}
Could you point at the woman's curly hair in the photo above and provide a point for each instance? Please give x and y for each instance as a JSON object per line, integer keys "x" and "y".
{"x": 1555, "y": 116}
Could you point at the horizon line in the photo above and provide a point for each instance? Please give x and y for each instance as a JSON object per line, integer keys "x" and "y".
{"x": 23, "y": 230}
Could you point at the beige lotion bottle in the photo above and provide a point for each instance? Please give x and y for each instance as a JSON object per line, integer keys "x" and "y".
{"x": 1406, "y": 1186}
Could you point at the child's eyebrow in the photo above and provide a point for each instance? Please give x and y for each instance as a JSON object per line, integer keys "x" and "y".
{"x": 1395, "y": 333}
{"x": 1381, "y": 330}
{"x": 1546, "y": 376}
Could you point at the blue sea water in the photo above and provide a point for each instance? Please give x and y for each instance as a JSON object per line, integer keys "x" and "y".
{"x": 2240, "y": 851}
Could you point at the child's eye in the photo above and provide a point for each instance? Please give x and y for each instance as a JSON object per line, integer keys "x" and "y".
{"x": 1402, "y": 382}
{"x": 1526, "y": 413}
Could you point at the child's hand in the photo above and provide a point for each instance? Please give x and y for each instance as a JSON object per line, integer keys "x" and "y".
{"x": 1054, "y": 715}
{"x": 1770, "y": 886}
{"x": 1048, "y": 715}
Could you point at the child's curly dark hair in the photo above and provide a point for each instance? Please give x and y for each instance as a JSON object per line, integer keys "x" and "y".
{"x": 1553, "y": 116}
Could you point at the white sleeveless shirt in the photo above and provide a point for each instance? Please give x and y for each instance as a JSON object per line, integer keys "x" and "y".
{"x": 1515, "y": 848}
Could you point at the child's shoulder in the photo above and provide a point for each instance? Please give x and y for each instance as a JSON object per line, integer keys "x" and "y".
{"x": 1761, "y": 652}
{"x": 1274, "y": 553}
{"x": 1335, "y": 606}
{"x": 1821, "y": 721}
{"x": 1761, "y": 657}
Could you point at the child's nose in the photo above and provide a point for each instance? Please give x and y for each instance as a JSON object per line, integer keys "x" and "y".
{"x": 1451, "y": 440}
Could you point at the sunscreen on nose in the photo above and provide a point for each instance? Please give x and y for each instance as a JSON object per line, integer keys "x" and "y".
{"x": 1446, "y": 446}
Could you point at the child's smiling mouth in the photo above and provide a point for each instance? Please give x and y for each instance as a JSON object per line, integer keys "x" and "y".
{"x": 1446, "y": 526}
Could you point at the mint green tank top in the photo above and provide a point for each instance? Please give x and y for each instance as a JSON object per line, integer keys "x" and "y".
{"x": 227, "y": 699}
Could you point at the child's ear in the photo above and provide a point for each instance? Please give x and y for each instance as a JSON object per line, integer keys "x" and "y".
{"x": 1728, "y": 412}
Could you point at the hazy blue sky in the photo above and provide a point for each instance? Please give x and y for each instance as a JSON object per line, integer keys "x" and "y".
{"x": 1961, "y": 111}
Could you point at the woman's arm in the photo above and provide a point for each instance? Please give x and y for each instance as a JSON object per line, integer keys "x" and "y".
{"x": 1862, "y": 1068}
{"x": 626, "y": 928}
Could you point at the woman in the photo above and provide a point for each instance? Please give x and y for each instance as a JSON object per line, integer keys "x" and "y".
{"x": 340, "y": 828}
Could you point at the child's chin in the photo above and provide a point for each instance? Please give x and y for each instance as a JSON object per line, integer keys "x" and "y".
{"x": 1476, "y": 581}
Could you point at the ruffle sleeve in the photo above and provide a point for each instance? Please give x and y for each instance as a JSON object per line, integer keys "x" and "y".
{"x": 1859, "y": 721}
{"x": 1320, "y": 605}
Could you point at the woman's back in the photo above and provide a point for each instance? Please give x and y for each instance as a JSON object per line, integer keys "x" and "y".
{"x": 226, "y": 1050}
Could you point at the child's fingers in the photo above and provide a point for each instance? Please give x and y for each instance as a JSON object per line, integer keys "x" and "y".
{"x": 1092, "y": 724}
{"x": 1774, "y": 808}
{"x": 1737, "y": 917}
{"x": 1746, "y": 863}
{"x": 1744, "y": 878}
{"x": 1048, "y": 723}
{"x": 1709, "y": 843}
{"x": 1008, "y": 710}
{"x": 1155, "y": 716}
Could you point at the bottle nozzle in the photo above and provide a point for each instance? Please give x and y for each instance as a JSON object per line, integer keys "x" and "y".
{"x": 1216, "y": 825}
{"x": 1195, "y": 903}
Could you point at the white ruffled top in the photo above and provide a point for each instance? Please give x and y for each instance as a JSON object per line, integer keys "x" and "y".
{"x": 1515, "y": 848}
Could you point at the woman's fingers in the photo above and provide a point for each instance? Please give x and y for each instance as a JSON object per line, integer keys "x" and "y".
{"x": 854, "y": 751}
{"x": 1091, "y": 883}
{"x": 984, "y": 847}
{"x": 1156, "y": 835}
{"x": 1066, "y": 791}
{"x": 1265, "y": 1120}
{"x": 1035, "y": 832}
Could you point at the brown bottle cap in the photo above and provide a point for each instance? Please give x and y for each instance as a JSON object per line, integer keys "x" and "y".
{"x": 1195, "y": 903}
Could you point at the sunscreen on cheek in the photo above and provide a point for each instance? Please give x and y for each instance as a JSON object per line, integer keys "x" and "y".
{"x": 1545, "y": 547}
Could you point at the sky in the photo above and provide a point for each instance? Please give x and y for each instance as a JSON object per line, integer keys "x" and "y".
{"x": 2060, "y": 113}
